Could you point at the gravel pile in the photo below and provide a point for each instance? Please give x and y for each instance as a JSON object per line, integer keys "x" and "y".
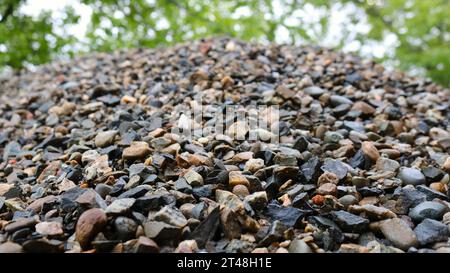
{"x": 354, "y": 158}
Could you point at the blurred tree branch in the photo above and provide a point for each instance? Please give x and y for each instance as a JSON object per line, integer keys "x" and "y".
{"x": 9, "y": 10}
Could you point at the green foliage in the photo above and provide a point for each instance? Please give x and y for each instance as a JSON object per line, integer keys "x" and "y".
{"x": 421, "y": 27}
{"x": 28, "y": 40}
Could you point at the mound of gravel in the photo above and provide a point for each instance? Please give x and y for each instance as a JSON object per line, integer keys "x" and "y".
{"x": 347, "y": 156}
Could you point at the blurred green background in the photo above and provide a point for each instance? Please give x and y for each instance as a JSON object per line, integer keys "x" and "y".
{"x": 412, "y": 35}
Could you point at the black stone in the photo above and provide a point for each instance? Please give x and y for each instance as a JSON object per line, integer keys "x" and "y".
{"x": 135, "y": 192}
{"x": 311, "y": 169}
{"x": 301, "y": 144}
{"x": 432, "y": 174}
{"x": 408, "y": 198}
{"x": 203, "y": 191}
{"x": 266, "y": 155}
{"x": 300, "y": 200}
{"x": 274, "y": 234}
{"x": 431, "y": 231}
{"x": 366, "y": 191}
{"x": 125, "y": 228}
{"x": 67, "y": 199}
{"x": 289, "y": 216}
{"x": 141, "y": 170}
{"x": 349, "y": 222}
{"x": 75, "y": 174}
{"x": 206, "y": 230}
{"x": 335, "y": 166}
{"x": 358, "y": 160}
{"x": 431, "y": 194}
{"x": 149, "y": 202}
{"x": 393, "y": 113}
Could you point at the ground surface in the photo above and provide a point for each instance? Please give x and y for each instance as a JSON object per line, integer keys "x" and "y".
{"x": 89, "y": 160}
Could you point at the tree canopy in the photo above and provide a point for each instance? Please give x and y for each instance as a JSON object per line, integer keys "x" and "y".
{"x": 419, "y": 28}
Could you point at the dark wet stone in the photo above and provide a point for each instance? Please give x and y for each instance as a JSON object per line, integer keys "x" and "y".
{"x": 21, "y": 235}
{"x": 300, "y": 200}
{"x": 335, "y": 166}
{"x": 141, "y": 170}
{"x": 423, "y": 127}
{"x": 205, "y": 191}
{"x": 432, "y": 174}
{"x": 266, "y": 155}
{"x": 301, "y": 144}
{"x": 311, "y": 169}
{"x": 207, "y": 227}
{"x": 91, "y": 199}
{"x": 358, "y": 160}
{"x": 162, "y": 233}
{"x": 67, "y": 199}
{"x": 109, "y": 100}
{"x": 135, "y": 192}
{"x": 149, "y": 202}
{"x": 431, "y": 194}
{"x": 431, "y": 231}
{"x": 428, "y": 209}
{"x": 183, "y": 186}
{"x": 349, "y": 222}
{"x": 353, "y": 78}
{"x": 330, "y": 235}
{"x": 125, "y": 228}
{"x": 151, "y": 179}
{"x": 75, "y": 175}
{"x": 407, "y": 198}
{"x": 322, "y": 222}
{"x": 275, "y": 233}
{"x": 367, "y": 191}
{"x": 393, "y": 113}
{"x": 104, "y": 246}
{"x": 289, "y": 216}
{"x": 118, "y": 187}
